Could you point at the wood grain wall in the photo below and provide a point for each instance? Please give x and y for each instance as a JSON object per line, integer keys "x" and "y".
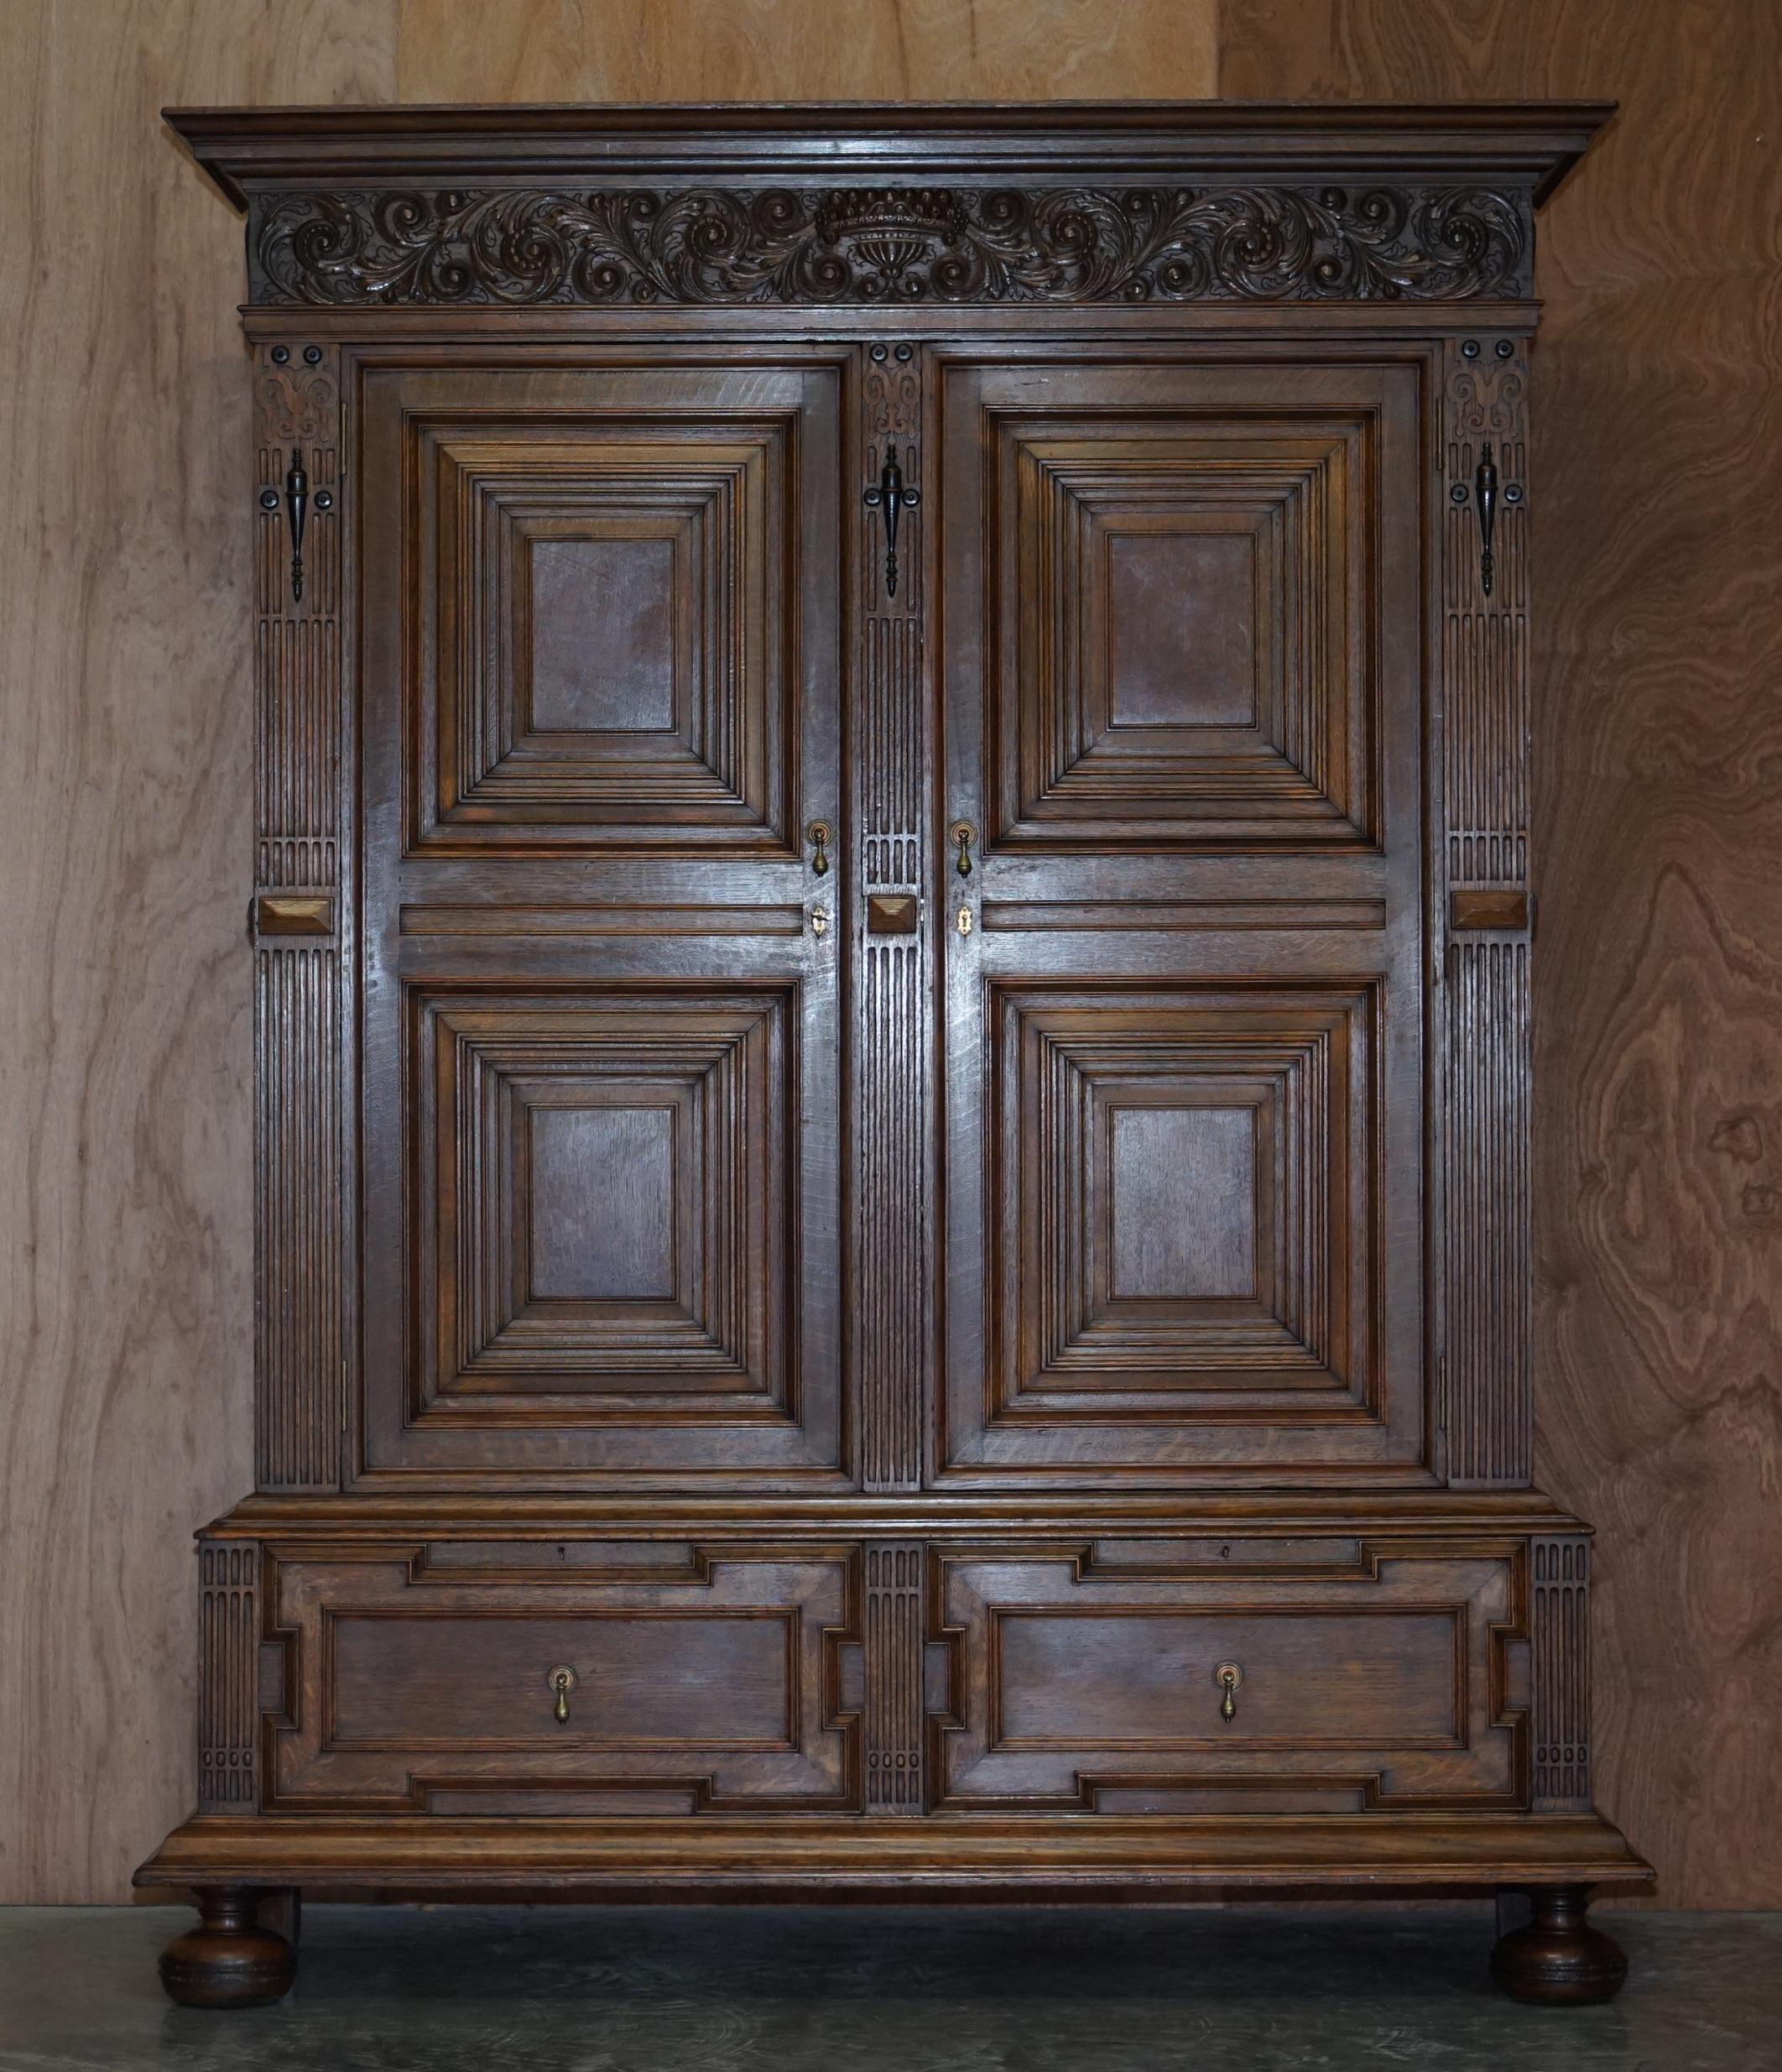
{"x": 125, "y": 769}
{"x": 123, "y": 681}
{"x": 1658, "y": 690}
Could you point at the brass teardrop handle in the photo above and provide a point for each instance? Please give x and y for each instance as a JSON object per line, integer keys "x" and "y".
{"x": 562, "y": 1681}
{"x": 962, "y": 835}
{"x": 820, "y": 833}
{"x": 1227, "y": 1675}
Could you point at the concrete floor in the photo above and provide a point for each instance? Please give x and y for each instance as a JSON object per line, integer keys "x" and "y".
{"x": 902, "y": 1989}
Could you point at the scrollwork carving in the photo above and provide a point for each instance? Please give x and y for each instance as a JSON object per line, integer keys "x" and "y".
{"x": 895, "y": 245}
{"x": 1487, "y": 397}
{"x": 299, "y": 404}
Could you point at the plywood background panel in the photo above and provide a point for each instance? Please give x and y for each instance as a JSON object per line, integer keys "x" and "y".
{"x": 806, "y": 49}
{"x": 1658, "y": 1153}
{"x": 125, "y": 759}
{"x": 125, "y": 726}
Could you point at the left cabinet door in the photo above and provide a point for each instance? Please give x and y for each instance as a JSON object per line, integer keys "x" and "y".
{"x": 600, "y": 669}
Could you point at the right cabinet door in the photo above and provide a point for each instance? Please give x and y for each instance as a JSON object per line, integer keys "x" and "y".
{"x": 1181, "y": 626}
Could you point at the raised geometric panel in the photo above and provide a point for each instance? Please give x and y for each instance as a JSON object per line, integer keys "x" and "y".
{"x": 1183, "y": 1193}
{"x": 1182, "y": 612}
{"x": 602, "y": 1195}
{"x": 605, "y": 648}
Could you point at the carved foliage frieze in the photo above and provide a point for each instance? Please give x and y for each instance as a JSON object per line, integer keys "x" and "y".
{"x": 890, "y": 244}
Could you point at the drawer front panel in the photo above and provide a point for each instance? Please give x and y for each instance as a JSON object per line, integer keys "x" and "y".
{"x": 639, "y": 1682}
{"x": 1360, "y": 1676}
{"x": 439, "y": 1678}
{"x": 1324, "y": 1679}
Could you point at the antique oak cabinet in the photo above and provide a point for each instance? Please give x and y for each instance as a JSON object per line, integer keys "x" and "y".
{"x": 890, "y": 932}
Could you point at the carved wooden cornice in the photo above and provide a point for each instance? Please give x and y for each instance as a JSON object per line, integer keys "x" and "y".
{"x": 893, "y": 204}
{"x": 899, "y": 245}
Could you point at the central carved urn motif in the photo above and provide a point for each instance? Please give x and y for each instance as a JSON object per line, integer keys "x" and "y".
{"x": 896, "y": 230}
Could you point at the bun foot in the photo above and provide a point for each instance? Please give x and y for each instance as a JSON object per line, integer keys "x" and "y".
{"x": 228, "y": 1960}
{"x": 1558, "y": 1959}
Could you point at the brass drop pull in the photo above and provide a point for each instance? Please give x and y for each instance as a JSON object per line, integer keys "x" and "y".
{"x": 1227, "y": 1675}
{"x": 820, "y": 833}
{"x": 962, "y": 835}
{"x": 562, "y": 1681}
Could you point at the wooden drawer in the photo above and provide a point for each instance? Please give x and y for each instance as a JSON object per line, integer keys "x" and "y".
{"x": 697, "y": 1678}
{"x": 1364, "y": 1675}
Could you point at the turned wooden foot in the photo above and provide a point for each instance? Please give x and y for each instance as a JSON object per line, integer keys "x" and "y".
{"x": 1558, "y": 1959}
{"x": 228, "y": 1960}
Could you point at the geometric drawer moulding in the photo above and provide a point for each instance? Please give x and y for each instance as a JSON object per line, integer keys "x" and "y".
{"x": 418, "y": 1680}
{"x": 1370, "y": 1676}
{"x": 603, "y": 651}
{"x": 1181, "y": 1197}
{"x": 1188, "y": 622}
{"x": 601, "y": 1189}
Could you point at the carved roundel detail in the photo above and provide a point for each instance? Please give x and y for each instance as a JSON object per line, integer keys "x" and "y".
{"x": 891, "y": 244}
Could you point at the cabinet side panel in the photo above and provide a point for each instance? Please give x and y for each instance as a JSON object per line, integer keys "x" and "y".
{"x": 1487, "y": 1411}
{"x": 297, "y": 920}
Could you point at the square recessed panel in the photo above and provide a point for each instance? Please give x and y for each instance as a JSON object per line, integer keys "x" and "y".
{"x": 604, "y": 641}
{"x": 1182, "y": 1185}
{"x": 602, "y": 1196}
{"x": 601, "y": 1189}
{"x": 1182, "y": 1202}
{"x": 602, "y": 615}
{"x": 1182, "y": 620}
{"x": 1179, "y": 632}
